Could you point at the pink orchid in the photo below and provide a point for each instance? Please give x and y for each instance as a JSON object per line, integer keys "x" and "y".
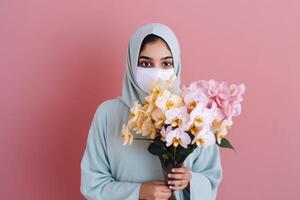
{"x": 227, "y": 96}
{"x": 210, "y": 87}
{"x": 231, "y": 93}
{"x": 231, "y": 110}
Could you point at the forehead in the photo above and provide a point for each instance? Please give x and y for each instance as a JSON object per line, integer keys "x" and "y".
{"x": 137, "y": 38}
{"x": 156, "y": 49}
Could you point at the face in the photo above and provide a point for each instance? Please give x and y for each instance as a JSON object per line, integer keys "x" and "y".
{"x": 156, "y": 55}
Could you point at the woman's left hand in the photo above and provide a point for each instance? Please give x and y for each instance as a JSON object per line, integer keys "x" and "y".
{"x": 181, "y": 176}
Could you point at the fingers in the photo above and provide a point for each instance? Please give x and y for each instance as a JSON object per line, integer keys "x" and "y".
{"x": 180, "y": 173}
{"x": 163, "y": 191}
{"x": 161, "y": 186}
{"x": 177, "y": 176}
{"x": 165, "y": 195}
{"x": 180, "y": 170}
{"x": 159, "y": 182}
{"x": 176, "y": 182}
{"x": 180, "y": 178}
{"x": 177, "y": 187}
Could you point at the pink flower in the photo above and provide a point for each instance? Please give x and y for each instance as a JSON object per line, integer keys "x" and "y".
{"x": 227, "y": 96}
{"x": 230, "y": 98}
{"x": 210, "y": 87}
{"x": 231, "y": 110}
{"x": 231, "y": 93}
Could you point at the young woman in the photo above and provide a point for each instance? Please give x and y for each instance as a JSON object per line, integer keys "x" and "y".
{"x": 111, "y": 171}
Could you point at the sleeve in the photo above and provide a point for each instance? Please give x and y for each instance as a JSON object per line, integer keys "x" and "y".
{"x": 97, "y": 182}
{"x": 206, "y": 175}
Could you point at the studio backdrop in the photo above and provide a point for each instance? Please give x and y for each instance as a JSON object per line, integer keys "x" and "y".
{"x": 60, "y": 59}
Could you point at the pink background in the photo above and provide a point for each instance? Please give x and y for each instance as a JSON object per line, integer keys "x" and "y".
{"x": 60, "y": 59}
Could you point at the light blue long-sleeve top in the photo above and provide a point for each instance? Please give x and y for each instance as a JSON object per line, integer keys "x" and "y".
{"x": 111, "y": 171}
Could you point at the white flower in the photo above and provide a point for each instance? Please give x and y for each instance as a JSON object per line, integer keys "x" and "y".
{"x": 178, "y": 136}
{"x": 205, "y": 137}
{"x": 193, "y": 95}
{"x": 201, "y": 115}
{"x": 177, "y": 117}
{"x": 135, "y": 111}
{"x": 220, "y": 128}
{"x": 167, "y": 100}
{"x": 126, "y": 135}
{"x": 164, "y": 131}
{"x": 158, "y": 117}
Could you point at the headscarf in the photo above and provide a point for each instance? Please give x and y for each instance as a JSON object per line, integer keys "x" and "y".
{"x": 131, "y": 92}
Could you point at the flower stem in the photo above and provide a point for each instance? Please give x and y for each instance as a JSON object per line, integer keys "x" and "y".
{"x": 140, "y": 110}
{"x": 174, "y": 154}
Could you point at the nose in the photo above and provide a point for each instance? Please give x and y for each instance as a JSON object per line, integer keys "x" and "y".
{"x": 157, "y": 65}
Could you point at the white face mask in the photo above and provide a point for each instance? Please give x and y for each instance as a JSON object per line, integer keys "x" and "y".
{"x": 145, "y": 76}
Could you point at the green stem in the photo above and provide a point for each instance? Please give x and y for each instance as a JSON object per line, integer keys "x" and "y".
{"x": 174, "y": 154}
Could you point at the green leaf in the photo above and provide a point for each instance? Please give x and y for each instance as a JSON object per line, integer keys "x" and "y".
{"x": 225, "y": 144}
{"x": 182, "y": 153}
{"x": 165, "y": 156}
{"x": 156, "y": 147}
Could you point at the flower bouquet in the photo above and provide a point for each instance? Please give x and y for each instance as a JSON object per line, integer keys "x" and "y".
{"x": 177, "y": 122}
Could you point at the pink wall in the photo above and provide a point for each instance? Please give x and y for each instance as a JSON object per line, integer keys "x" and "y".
{"x": 60, "y": 59}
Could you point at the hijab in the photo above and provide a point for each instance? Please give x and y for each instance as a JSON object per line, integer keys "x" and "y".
{"x": 131, "y": 92}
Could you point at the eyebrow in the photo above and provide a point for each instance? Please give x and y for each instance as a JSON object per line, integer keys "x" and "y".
{"x": 146, "y": 57}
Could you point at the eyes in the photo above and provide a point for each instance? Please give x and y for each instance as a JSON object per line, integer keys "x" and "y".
{"x": 164, "y": 64}
{"x": 167, "y": 64}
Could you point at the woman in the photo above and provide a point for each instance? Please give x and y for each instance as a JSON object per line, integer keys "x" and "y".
{"x": 111, "y": 171}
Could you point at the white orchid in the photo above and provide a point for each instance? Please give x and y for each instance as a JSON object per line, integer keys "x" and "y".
{"x": 164, "y": 131}
{"x": 161, "y": 84}
{"x": 148, "y": 128}
{"x": 135, "y": 111}
{"x": 158, "y": 117}
{"x": 167, "y": 100}
{"x": 178, "y": 136}
{"x": 201, "y": 116}
{"x": 192, "y": 96}
{"x": 126, "y": 135}
{"x": 221, "y": 128}
{"x": 177, "y": 117}
{"x": 205, "y": 137}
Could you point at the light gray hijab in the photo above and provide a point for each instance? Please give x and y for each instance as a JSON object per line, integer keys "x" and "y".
{"x": 131, "y": 92}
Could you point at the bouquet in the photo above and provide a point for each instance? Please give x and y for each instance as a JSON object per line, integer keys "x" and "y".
{"x": 177, "y": 122}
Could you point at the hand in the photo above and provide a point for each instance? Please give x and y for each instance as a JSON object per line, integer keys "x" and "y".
{"x": 154, "y": 190}
{"x": 181, "y": 176}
